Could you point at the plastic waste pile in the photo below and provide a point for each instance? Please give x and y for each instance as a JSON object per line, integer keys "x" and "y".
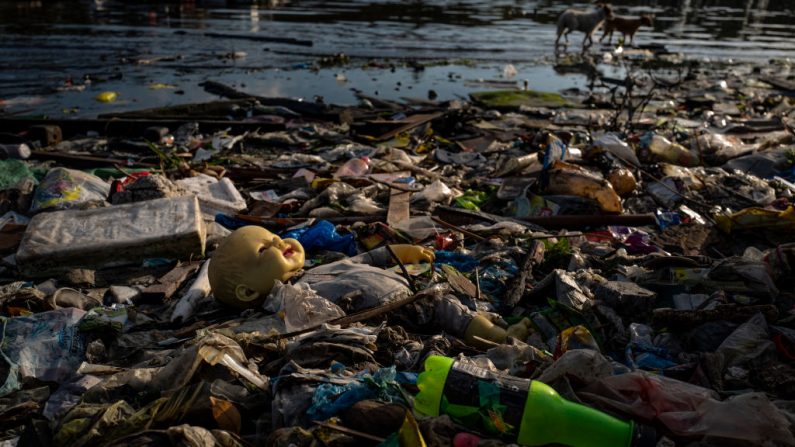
{"x": 588, "y": 286}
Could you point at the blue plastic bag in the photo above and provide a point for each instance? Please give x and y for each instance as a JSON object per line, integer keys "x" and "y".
{"x": 231, "y": 223}
{"x": 667, "y": 219}
{"x": 330, "y": 400}
{"x": 323, "y": 236}
{"x": 556, "y": 150}
{"x": 462, "y": 263}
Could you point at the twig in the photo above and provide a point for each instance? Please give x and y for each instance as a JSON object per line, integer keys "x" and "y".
{"x": 477, "y": 283}
{"x": 412, "y": 286}
{"x": 349, "y": 431}
{"x": 394, "y": 185}
{"x": 550, "y": 236}
{"x": 362, "y": 315}
{"x": 457, "y": 228}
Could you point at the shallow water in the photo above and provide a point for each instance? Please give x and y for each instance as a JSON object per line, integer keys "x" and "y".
{"x": 131, "y": 48}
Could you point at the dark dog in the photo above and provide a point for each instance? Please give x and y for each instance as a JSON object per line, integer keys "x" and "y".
{"x": 628, "y": 26}
{"x": 584, "y": 21}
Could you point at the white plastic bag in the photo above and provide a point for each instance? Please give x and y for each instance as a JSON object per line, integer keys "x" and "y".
{"x": 610, "y": 142}
{"x": 46, "y": 346}
{"x": 436, "y": 192}
{"x": 300, "y": 306}
{"x": 66, "y": 188}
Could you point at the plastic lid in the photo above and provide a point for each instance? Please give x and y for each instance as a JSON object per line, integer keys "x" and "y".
{"x": 23, "y": 151}
{"x": 644, "y": 436}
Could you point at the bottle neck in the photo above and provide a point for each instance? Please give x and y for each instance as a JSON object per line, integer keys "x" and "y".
{"x": 549, "y": 418}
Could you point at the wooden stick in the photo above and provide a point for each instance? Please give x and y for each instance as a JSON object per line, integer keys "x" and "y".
{"x": 402, "y": 269}
{"x": 359, "y": 316}
{"x": 550, "y": 236}
{"x": 349, "y": 431}
{"x": 457, "y": 228}
{"x": 477, "y": 283}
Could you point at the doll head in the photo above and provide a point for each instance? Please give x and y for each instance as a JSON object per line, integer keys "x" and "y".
{"x": 246, "y": 264}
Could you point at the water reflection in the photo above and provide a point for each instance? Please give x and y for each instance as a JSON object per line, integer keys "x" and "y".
{"x": 128, "y": 45}
{"x": 718, "y": 18}
{"x": 582, "y": 64}
{"x": 254, "y": 16}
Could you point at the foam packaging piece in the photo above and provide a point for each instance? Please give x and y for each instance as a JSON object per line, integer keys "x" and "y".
{"x": 59, "y": 241}
{"x": 214, "y": 196}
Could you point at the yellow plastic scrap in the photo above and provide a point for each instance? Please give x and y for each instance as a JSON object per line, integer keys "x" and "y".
{"x": 409, "y": 434}
{"x": 576, "y": 337}
{"x": 400, "y": 141}
{"x": 577, "y": 182}
{"x": 322, "y": 183}
{"x": 757, "y": 218}
{"x": 161, "y": 86}
{"x": 107, "y": 97}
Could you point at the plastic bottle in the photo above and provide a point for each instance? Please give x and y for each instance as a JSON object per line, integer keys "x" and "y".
{"x": 515, "y": 164}
{"x": 672, "y": 152}
{"x": 19, "y": 151}
{"x": 355, "y": 167}
{"x": 518, "y": 410}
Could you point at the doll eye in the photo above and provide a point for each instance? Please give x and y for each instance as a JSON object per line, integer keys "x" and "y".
{"x": 262, "y": 248}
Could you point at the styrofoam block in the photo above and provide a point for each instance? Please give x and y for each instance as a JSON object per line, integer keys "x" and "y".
{"x": 117, "y": 235}
{"x": 214, "y": 196}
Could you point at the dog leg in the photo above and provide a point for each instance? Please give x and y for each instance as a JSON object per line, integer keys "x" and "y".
{"x": 561, "y": 28}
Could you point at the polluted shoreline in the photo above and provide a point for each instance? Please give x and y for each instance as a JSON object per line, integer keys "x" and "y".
{"x": 156, "y": 54}
{"x": 601, "y": 266}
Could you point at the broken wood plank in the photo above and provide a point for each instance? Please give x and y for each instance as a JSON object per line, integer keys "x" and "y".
{"x": 398, "y": 207}
{"x": 317, "y": 110}
{"x": 460, "y": 282}
{"x": 84, "y": 161}
{"x": 779, "y": 83}
{"x": 404, "y": 125}
{"x": 215, "y": 109}
{"x": 123, "y": 127}
{"x": 167, "y": 285}
{"x": 535, "y": 256}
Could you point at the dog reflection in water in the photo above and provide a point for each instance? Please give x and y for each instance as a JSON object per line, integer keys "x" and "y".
{"x": 583, "y": 21}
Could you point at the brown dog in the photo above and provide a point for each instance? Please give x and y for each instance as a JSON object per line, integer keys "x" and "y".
{"x": 627, "y": 25}
{"x": 583, "y": 21}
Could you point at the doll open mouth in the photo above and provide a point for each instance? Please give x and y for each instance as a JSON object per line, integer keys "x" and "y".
{"x": 288, "y": 252}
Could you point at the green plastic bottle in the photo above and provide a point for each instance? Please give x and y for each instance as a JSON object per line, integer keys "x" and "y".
{"x": 518, "y": 410}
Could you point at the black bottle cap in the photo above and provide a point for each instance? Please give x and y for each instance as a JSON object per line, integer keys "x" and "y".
{"x": 644, "y": 436}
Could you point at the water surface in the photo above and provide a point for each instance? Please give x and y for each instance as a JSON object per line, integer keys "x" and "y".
{"x": 157, "y": 53}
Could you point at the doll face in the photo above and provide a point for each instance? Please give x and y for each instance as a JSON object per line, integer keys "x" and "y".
{"x": 246, "y": 264}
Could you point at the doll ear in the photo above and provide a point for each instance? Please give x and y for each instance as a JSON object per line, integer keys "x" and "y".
{"x": 245, "y": 294}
